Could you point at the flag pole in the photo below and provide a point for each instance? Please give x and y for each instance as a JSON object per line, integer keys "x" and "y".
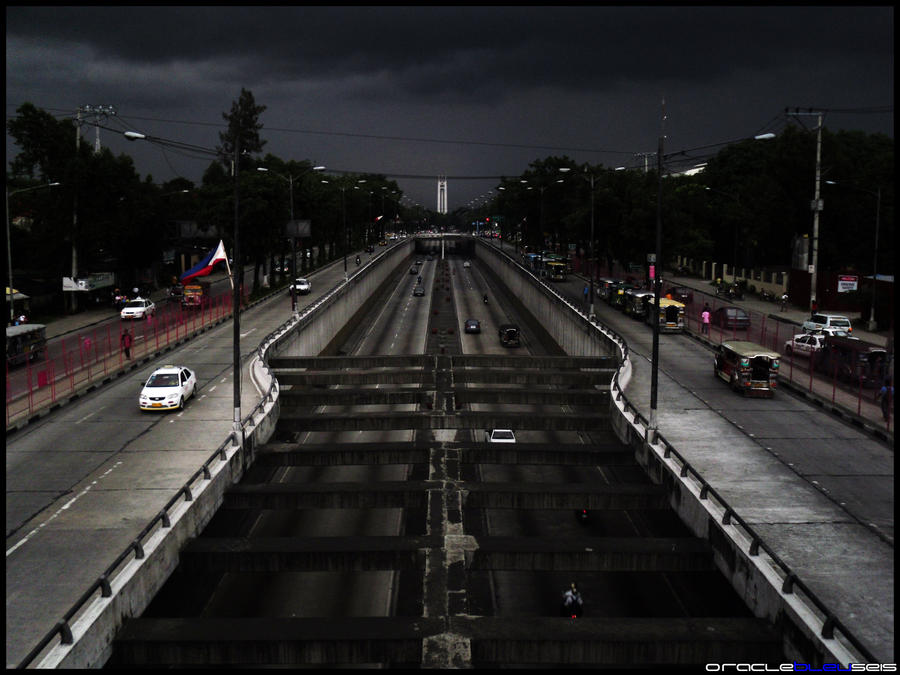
{"x": 228, "y": 267}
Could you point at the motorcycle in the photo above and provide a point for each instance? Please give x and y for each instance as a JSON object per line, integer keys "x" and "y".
{"x": 485, "y": 299}
{"x": 572, "y": 605}
{"x": 357, "y": 260}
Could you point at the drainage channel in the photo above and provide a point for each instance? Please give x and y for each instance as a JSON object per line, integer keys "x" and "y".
{"x": 489, "y": 540}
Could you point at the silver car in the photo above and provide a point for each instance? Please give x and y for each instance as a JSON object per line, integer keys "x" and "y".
{"x": 827, "y": 322}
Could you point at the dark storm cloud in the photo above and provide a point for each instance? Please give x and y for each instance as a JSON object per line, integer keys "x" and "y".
{"x": 356, "y": 87}
{"x": 468, "y": 51}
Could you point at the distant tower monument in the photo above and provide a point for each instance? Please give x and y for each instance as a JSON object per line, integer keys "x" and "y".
{"x": 442, "y": 194}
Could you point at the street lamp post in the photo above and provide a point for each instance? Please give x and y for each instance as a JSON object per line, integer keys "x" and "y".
{"x": 343, "y": 189}
{"x": 590, "y": 178}
{"x": 9, "y": 194}
{"x": 237, "y": 430}
{"x": 290, "y": 179}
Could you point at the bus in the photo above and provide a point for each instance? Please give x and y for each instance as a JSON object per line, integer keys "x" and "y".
{"x": 26, "y": 342}
{"x": 556, "y": 270}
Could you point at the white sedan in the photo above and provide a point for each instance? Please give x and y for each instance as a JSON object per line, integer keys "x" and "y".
{"x": 301, "y": 286}
{"x": 499, "y": 436}
{"x": 168, "y": 388}
{"x": 138, "y": 309}
{"x": 804, "y": 344}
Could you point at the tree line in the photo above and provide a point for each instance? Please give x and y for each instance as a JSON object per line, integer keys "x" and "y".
{"x": 748, "y": 205}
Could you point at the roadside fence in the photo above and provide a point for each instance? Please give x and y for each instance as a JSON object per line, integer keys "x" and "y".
{"x": 72, "y": 364}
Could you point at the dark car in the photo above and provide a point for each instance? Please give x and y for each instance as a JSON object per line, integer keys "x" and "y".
{"x": 682, "y": 294}
{"x": 413, "y": 270}
{"x": 419, "y": 290}
{"x": 473, "y": 326}
{"x": 731, "y": 317}
{"x": 509, "y": 335}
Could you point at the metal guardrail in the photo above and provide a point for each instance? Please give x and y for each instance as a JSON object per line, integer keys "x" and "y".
{"x": 790, "y": 580}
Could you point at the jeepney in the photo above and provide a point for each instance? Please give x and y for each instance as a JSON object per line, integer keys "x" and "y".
{"x": 603, "y": 286}
{"x": 670, "y": 315}
{"x": 617, "y": 294}
{"x": 749, "y": 368}
{"x": 25, "y": 342}
{"x": 636, "y": 302}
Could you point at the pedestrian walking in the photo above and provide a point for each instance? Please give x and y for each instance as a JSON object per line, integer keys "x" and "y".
{"x": 126, "y": 340}
{"x": 585, "y": 293}
{"x": 887, "y": 399}
{"x": 704, "y": 319}
{"x": 784, "y": 301}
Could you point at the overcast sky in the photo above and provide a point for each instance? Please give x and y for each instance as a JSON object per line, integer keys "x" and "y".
{"x": 461, "y": 91}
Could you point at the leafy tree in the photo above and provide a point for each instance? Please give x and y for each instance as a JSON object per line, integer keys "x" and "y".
{"x": 243, "y": 122}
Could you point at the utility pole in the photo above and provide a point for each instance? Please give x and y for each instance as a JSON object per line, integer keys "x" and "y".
{"x": 97, "y": 111}
{"x": 657, "y": 282}
{"x": 816, "y": 205}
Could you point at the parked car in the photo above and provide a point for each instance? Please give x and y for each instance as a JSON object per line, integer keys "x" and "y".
{"x": 168, "y": 388}
{"x": 805, "y": 344}
{"x": 473, "y": 326}
{"x": 730, "y": 317}
{"x": 301, "y": 286}
{"x": 826, "y": 322}
{"x": 499, "y": 436}
{"x": 138, "y": 308}
{"x": 682, "y": 294}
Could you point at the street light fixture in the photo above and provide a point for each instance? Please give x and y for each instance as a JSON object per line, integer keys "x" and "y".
{"x": 237, "y": 430}
{"x": 590, "y": 178}
{"x": 290, "y": 179}
{"x": 343, "y": 189}
{"x": 9, "y": 194}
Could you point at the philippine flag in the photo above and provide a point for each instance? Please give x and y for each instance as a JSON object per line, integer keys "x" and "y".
{"x": 205, "y": 266}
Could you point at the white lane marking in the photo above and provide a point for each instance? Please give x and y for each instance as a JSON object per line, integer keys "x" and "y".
{"x": 85, "y": 417}
{"x": 248, "y": 332}
{"x": 62, "y": 508}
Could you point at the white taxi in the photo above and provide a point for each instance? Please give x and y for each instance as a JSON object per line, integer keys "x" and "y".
{"x": 805, "y": 344}
{"x": 138, "y": 308}
{"x": 168, "y": 388}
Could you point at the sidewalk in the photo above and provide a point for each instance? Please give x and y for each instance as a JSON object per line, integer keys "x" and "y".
{"x": 792, "y": 314}
{"x": 72, "y": 323}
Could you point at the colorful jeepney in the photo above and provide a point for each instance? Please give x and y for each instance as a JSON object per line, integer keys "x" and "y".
{"x": 670, "y": 315}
